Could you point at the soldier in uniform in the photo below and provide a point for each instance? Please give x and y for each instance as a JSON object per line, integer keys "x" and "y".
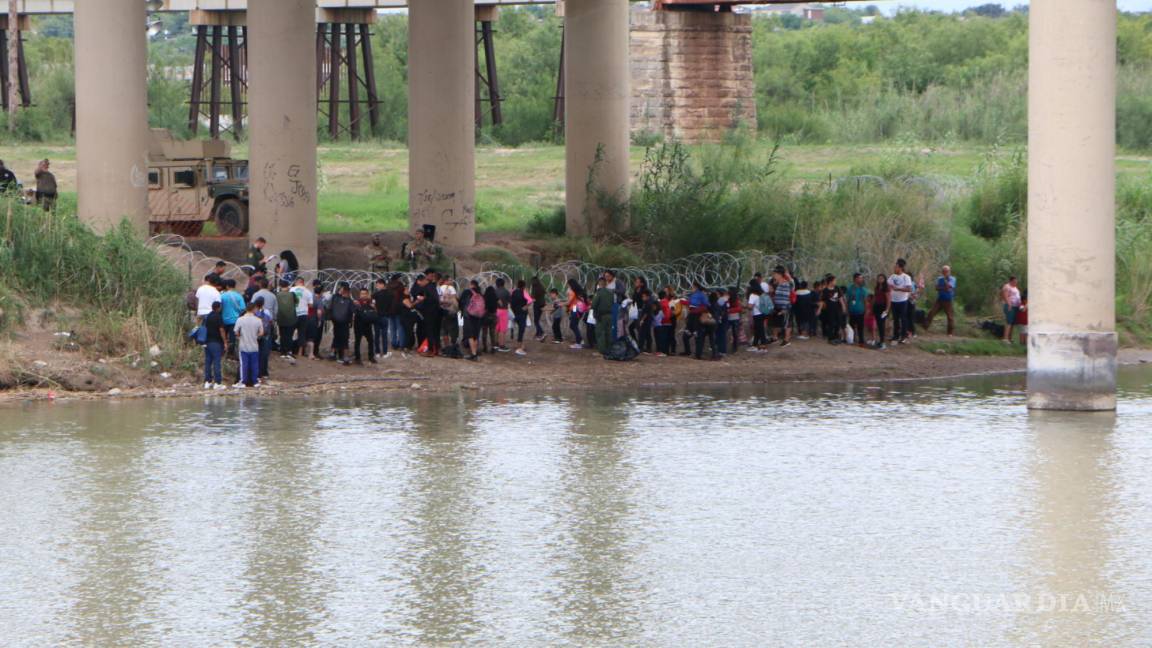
{"x": 379, "y": 261}
{"x": 420, "y": 251}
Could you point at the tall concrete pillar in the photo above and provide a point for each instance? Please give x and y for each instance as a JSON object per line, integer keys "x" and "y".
{"x": 597, "y": 102}
{"x": 282, "y": 125}
{"x": 1071, "y": 205}
{"x": 111, "y": 113}
{"x": 442, "y": 120}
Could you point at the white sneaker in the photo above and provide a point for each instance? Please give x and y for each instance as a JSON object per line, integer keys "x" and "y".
{"x": 218, "y": 387}
{"x": 239, "y": 386}
{"x": 386, "y": 356}
{"x": 521, "y": 352}
{"x": 207, "y": 385}
{"x": 576, "y": 346}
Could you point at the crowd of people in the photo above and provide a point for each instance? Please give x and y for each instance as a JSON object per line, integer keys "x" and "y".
{"x": 283, "y": 314}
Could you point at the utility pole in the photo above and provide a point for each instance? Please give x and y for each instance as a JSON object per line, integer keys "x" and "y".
{"x": 13, "y": 77}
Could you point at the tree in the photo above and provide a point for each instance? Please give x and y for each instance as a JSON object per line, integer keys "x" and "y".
{"x": 989, "y": 10}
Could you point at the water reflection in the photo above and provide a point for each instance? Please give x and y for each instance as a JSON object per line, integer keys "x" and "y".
{"x": 1070, "y": 545}
{"x": 111, "y": 549}
{"x": 283, "y": 594}
{"x": 599, "y": 597}
{"x": 444, "y": 574}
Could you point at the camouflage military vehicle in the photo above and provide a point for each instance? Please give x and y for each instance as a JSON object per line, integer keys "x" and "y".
{"x": 193, "y": 182}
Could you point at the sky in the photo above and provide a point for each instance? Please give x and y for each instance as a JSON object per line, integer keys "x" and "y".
{"x": 890, "y": 6}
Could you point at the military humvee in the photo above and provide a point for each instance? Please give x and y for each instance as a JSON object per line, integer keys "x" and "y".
{"x": 193, "y": 182}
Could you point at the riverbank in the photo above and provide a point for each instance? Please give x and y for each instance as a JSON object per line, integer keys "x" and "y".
{"x": 547, "y": 367}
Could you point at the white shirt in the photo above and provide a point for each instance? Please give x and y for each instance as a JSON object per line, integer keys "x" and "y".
{"x": 754, "y": 302}
{"x": 305, "y": 300}
{"x": 901, "y": 280}
{"x": 206, "y": 296}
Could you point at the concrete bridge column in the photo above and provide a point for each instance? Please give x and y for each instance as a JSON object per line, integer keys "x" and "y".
{"x": 442, "y": 120}
{"x": 1071, "y": 205}
{"x": 282, "y": 125}
{"x": 597, "y": 107}
{"x": 111, "y": 113}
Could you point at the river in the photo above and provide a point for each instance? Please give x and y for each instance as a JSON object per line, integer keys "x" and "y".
{"x": 866, "y": 515}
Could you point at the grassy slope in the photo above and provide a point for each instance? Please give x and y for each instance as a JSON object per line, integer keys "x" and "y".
{"x": 365, "y": 186}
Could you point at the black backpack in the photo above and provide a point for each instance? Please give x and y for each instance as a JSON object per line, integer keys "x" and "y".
{"x": 623, "y": 350}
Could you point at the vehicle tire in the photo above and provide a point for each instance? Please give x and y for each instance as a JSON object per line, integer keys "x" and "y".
{"x": 231, "y": 217}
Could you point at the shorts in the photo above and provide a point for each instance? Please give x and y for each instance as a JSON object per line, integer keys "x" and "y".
{"x": 450, "y": 325}
{"x": 502, "y": 320}
{"x": 1010, "y": 313}
{"x": 1022, "y": 329}
{"x": 782, "y": 318}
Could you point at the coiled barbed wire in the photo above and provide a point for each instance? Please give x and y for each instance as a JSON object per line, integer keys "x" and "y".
{"x": 709, "y": 269}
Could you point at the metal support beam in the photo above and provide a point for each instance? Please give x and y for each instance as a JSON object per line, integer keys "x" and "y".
{"x": 235, "y": 78}
{"x": 487, "y": 82}
{"x": 353, "y": 81}
{"x": 215, "y": 81}
{"x": 23, "y": 88}
{"x": 370, "y": 78}
{"x": 197, "y": 79}
{"x": 558, "y": 100}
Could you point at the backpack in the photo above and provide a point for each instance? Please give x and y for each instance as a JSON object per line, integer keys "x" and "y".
{"x": 342, "y": 310}
{"x": 623, "y": 350}
{"x": 450, "y": 303}
{"x": 476, "y": 305}
{"x": 367, "y": 314}
{"x": 766, "y": 306}
{"x": 286, "y": 308}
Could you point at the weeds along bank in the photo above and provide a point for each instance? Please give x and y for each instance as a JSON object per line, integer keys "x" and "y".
{"x": 112, "y": 295}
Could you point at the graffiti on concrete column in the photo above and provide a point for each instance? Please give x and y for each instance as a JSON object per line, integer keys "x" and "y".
{"x": 429, "y": 204}
{"x": 284, "y": 190}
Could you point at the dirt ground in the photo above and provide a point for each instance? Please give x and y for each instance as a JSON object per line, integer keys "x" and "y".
{"x": 71, "y": 376}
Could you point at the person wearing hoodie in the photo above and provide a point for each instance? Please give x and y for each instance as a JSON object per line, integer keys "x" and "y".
{"x": 341, "y": 311}
{"x": 364, "y": 318}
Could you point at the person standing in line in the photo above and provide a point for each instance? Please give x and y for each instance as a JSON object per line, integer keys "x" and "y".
{"x": 45, "y": 186}
{"x": 286, "y": 303}
{"x": 249, "y": 329}
{"x": 364, "y": 319}
{"x": 265, "y": 339}
{"x": 945, "y": 298}
{"x": 488, "y": 339}
{"x": 664, "y": 324}
{"x": 234, "y": 308}
{"x": 382, "y": 300}
{"x": 539, "y": 301}
{"x": 1010, "y": 301}
{"x": 831, "y": 310}
{"x": 304, "y": 303}
{"x": 782, "y": 287}
{"x": 396, "y": 332}
{"x": 557, "y": 315}
{"x": 341, "y": 312}
{"x": 576, "y": 306}
{"x": 215, "y": 345}
{"x": 755, "y": 303}
{"x": 449, "y": 313}
{"x": 881, "y": 306}
{"x": 206, "y": 295}
{"x": 426, "y": 299}
{"x": 603, "y": 305}
{"x": 900, "y": 285}
{"x": 472, "y": 307}
{"x": 519, "y": 300}
{"x": 270, "y": 307}
{"x": 857, "y": 295}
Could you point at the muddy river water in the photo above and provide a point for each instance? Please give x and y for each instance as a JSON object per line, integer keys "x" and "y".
{"x": 935, "y": 514}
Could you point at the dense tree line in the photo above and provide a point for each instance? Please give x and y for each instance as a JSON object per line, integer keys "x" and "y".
{"x": 856, "y": 76}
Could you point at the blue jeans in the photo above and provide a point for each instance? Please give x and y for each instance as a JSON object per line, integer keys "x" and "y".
{"x": 574, "y": 324}
{"x": 899, "y": 320}
{"x": 396, "y": 331}
{"x": 249, "y": 367}
{"x": 380, "y": 330}
{"x": 213, "y": 355}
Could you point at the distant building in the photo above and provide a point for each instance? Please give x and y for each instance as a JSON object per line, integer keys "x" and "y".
{"x": 805, "y": 10}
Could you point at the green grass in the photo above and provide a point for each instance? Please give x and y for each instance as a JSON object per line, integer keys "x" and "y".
{"x": 364, "y": 187}
{"x": 977, "y": 347}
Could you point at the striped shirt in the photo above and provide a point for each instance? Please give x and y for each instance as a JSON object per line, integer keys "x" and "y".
{"x": 782, "y": 297}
